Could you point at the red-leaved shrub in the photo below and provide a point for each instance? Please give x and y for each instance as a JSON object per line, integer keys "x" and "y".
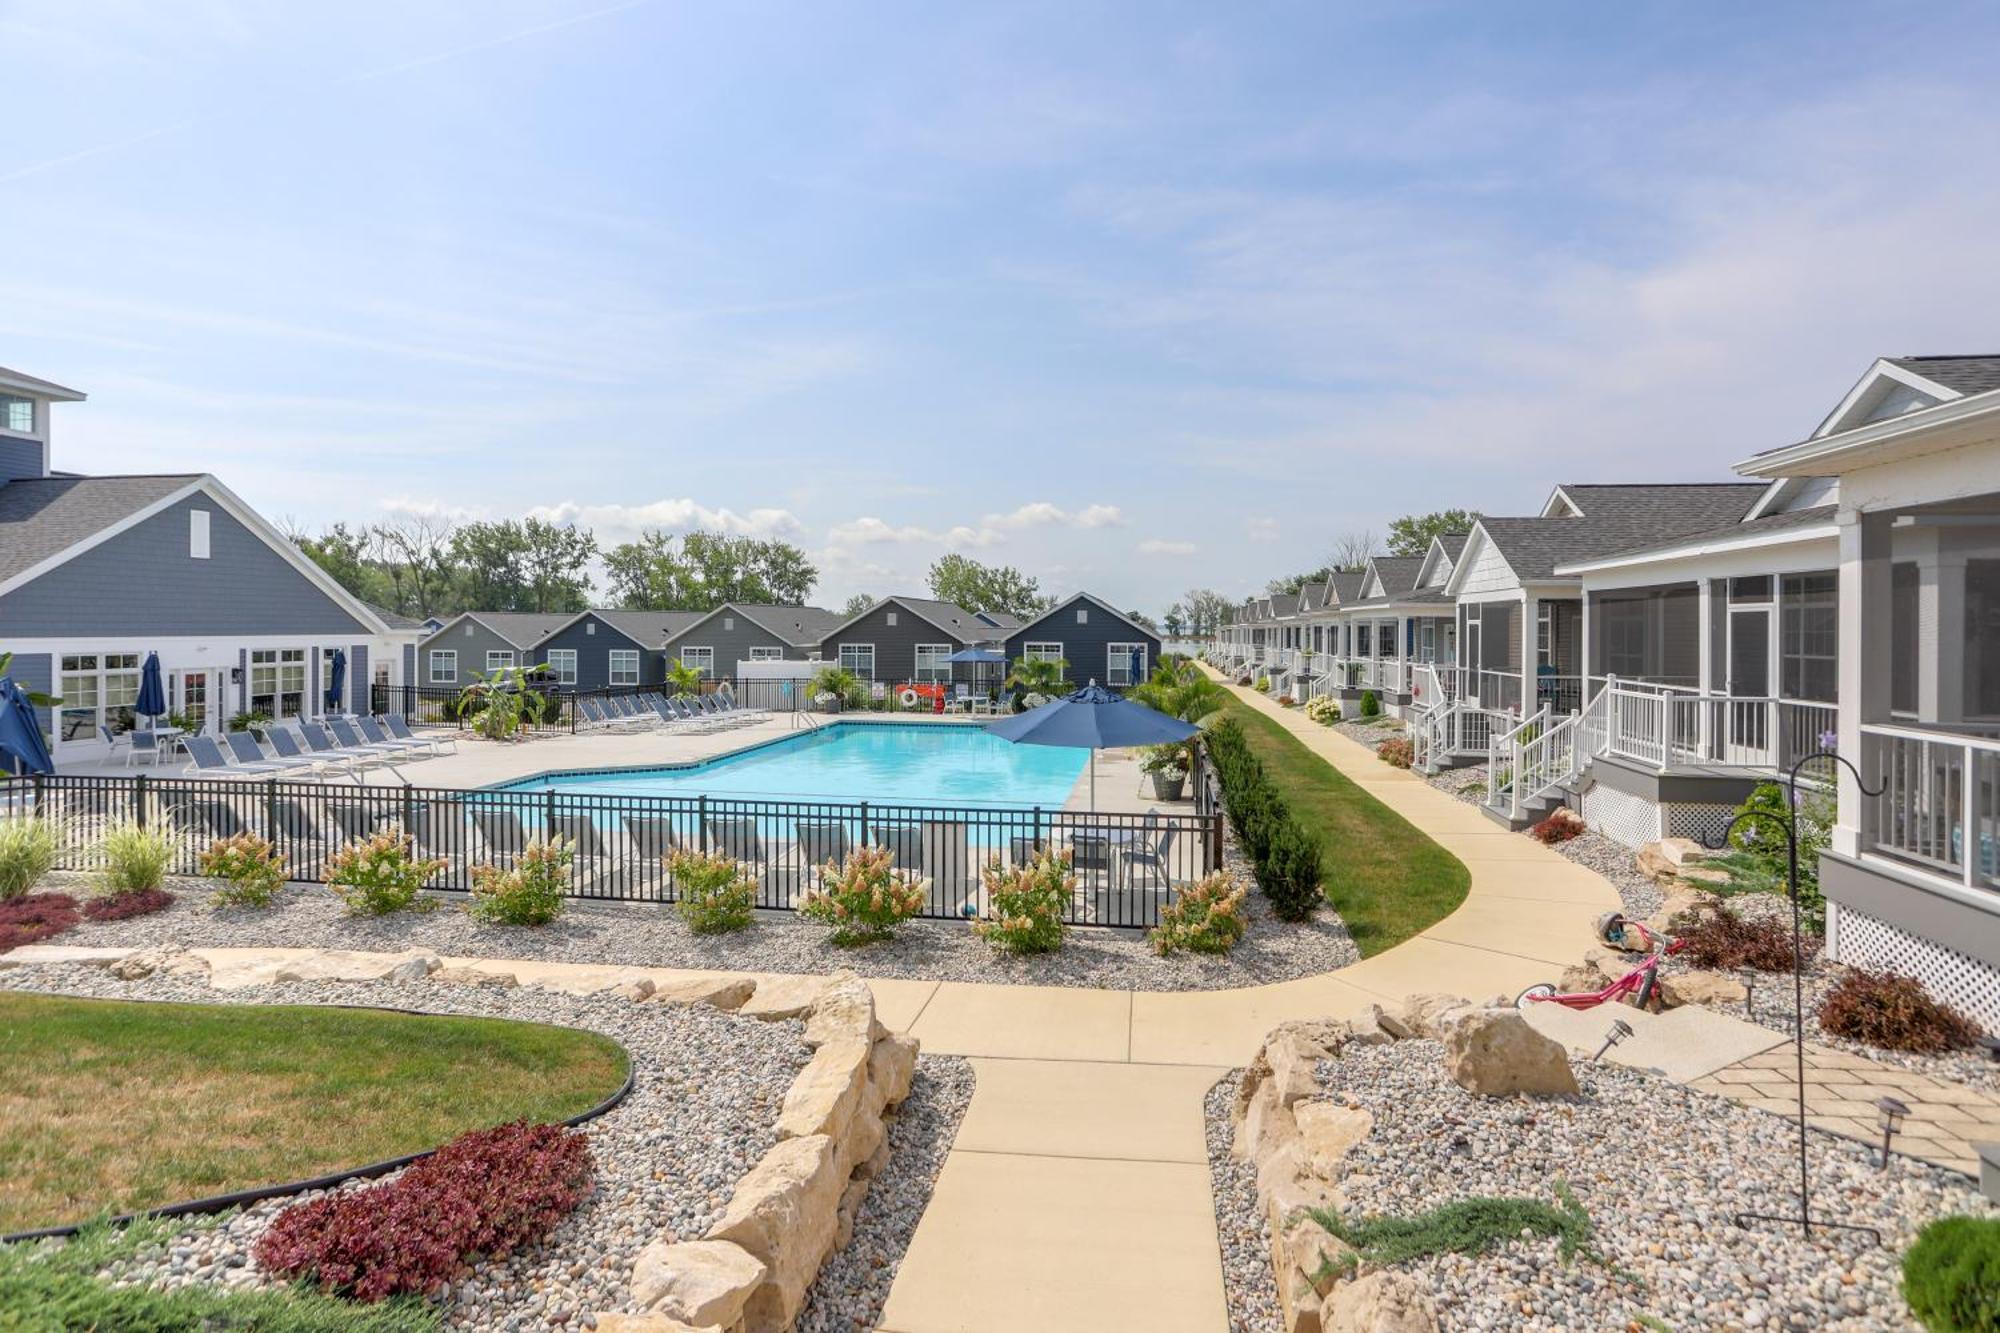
{"x": 35, "y": 917}
{"x": 1560, "y": 826}
{"x": 1725, "y": 940}
{"x": 129, "y": 903}
{"x": 1894, "y": 1013}
{"x": 488, "y": 1193}
{"x": 1397, "y": 750}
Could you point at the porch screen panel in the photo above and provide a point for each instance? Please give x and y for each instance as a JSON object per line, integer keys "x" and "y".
{"x": 1499, "y": 636}
{"x": 1680, "y": 635}
{"x": 1809, "y": 636}
{"x": 1903, "y": 592}
{"x": 1621, "y": 637}
{"x": 1982, "y": 637}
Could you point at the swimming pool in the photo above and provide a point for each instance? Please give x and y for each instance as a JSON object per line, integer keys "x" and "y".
{"x": 882, "y": 762}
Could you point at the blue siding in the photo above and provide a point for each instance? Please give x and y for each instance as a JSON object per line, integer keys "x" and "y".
{"x": 359, "y": 683}
{"x": 409, "y": 664}
{"x": 144, "y": 582}
{"x": 19, "y": 458}
{"x": 35, "y": 673}
{"x": 1085, "y": 646}
{"x": 895, "y": 645}
{"x": 593, "y": 662}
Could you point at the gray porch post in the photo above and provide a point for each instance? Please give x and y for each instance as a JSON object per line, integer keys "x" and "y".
{"x": 1863, "y": 667}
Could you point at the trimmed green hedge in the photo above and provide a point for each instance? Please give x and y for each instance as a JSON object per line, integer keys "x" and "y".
{"x": 1283, "y": 852}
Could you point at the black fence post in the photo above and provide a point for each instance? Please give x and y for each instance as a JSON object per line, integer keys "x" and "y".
{"x": 701, "y": 821}
{"x": 41, "y": 797}
{"x": 139, "y": 801}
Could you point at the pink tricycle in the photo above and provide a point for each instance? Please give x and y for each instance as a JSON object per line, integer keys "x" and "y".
{"x": 1642, "y": 982}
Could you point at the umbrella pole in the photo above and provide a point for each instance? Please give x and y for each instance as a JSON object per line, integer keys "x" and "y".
{"x": 1093, "y": 782}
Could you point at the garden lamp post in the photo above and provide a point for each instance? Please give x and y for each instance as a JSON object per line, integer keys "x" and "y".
{"x": 1788, "y": 822}
{"x": 1889, "y": 1117}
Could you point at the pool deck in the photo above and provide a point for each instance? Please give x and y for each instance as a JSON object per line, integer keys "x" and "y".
{"x": 482, "y": 763}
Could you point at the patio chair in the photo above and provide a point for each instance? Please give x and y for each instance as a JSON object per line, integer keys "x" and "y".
{"x": 1023, "y": 848}
{"x": 217, "y": 816}
{"x": 286, "y": 743}
{"x": 322, "y": 744}
{"x": 581, "y": 829}
{"x": 205, "y": 756}
{"x": 290, "y": 825}
{"x": 440, "y": 830}
{"x": 373, "y": 733}
{"x": 248, "y": 754}
{"x": 356, "y": 822}
{"x": 138, "y": 743}
{"x": 652, "y": 836}
{"x": 737, "y": 837}
{"x": 905, "y": 843}
{"x": 399, "y": 727}
{"x": 1149, "y": 852}
{"x": 954, "y": 872}
{"x": 350, "y": 740}
{"x": 502, "y": 831}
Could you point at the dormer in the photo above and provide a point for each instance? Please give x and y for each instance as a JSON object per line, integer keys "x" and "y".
{"x": 24, "y": 423}
{"x": 1897, "y": 385}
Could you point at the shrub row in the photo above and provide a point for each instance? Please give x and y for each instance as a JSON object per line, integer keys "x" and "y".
{"x": 485, "y": 1193}
{"x": 1284, "y": 853}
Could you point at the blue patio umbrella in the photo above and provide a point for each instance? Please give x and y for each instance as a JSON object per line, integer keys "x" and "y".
{"x": 977, "y": 657}
{"x": 336, "y": 676}
{"x": 152, "y": 700}
{"x": 21, "y": 740}
{"x": 1092, "y": 719}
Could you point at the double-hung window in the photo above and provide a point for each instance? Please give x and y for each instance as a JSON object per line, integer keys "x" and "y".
{"x": 496, "y": 658}
{"x": 17, "y": 414}
{"x": 858, "y": 658}
{"x": 1042, "y": 652}
{"x": 1124, "y": 663}
{"x": 767, "y": 654}
{"x": 931, "y": 664}
{"x": 700, "y": 660}
{"x": 444, "y": 666}
{"x": 1808, "y": 636}
{"x": 278, "y": 682}
{"x": 562, "y": 665}
{"x": 97, "y": 689}
{"x": 624, "y": 666}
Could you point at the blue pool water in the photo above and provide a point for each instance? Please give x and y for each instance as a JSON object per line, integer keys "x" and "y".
{"x": 910, "y": 765}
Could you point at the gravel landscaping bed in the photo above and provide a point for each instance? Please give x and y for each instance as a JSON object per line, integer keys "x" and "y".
{"x": 1250, "y": 1290}
{"x": 652, "y": 935}
{"x": 1661, "y": 1170}
{"x": 707, "y": 1089}
{"x": 853, "y": 1286}
{"x": 1371, "y": 734}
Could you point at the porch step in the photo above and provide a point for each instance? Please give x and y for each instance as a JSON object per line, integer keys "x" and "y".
{"x": 1532, "y": 812}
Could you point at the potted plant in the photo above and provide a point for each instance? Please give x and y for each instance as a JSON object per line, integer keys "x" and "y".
{"x": 1167, "y": 767}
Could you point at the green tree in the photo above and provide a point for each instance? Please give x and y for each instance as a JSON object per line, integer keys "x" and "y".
{"x": 348, "y": 555}
{"x": 703, "y": 570}
{"x": 1311, "y": 578}
{"x": 1207, "y": 610}
{"x": 488, "y": 557}
{"x": 976, "y": 587}
{"x": 856, "y": 604}
{"x": 1411, "y": 534}
{"x": 1174, "y": 621}
{"x": 555, "y": 559}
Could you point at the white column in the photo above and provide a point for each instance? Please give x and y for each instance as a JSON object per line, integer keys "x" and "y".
{"x": 1531, "y": 610}
{"x": 1704, "y": 635}
{"x": 1863, "y": 668}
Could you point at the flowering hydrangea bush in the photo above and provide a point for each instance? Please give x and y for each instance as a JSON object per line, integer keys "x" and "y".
{"x": 1207, "y": 917}
{"x": 485, "y": 1193}
{"x": 251, "y": 870}
{"x": 867, "y": 898}
{"x": 527, "y": 893}
{"x": 1025, "y": 903}
{"x": 717, "y": 894}
{"x": 1397, "y": 750}
{"x": 1323, "y": 710}
{"x": 379, "y": 875}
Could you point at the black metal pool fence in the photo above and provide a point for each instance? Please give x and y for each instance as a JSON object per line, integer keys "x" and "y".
{"x": 1128, "y": 866}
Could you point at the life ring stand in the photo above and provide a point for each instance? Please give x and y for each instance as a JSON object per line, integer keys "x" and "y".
{"x": 908, "y": 698}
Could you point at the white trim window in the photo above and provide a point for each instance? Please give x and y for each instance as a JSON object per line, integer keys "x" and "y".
{"x": 444, "y": 666}
{"x": 278, "y": 682}
{"x": 699, "y": 660}
{"x": 562, "y": 665}
{"x": 97, "y": 689}
{"x": 1042, "y": 652}
{"x": 931, "y": 664}
{"x": 1124, "y": 663}
{"x": 17, "y": 414}
{"x": 766, "y": 653}
{"x": 621, "y": 666}
{"x": 497, "y": 658}
{"x": 858, "y": 658}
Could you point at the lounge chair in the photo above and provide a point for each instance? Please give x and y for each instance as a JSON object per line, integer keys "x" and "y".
{"x": 286, "y": 743}
{"x": 653, "y": 836}
{"x": 1149, "y": 852}
{"x": 320, "y": 743}
{"x": 218, "y": 817}
{"x": 698, "y": 721}
{"x": 139, "y": 743}
{"x": 244, "y": 748}
{"x": 597, "y": 718}
{"x": 356, "y": 822}
{"x": 205, "y": 756}
{"x": 502, "y": 830}
{"x": 581, "y": 830}
{"x": 399, "y": 727}
{"x": 949, "y": 862}
{"x": 905, "y": 843}
{"x": 737, "y": 837}
{"x": 440, "y": 829}
{"x": 373, "y": 733}
{"x": 350, "y": 741}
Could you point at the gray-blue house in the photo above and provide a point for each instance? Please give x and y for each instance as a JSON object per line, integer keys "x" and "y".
{"x": 1098, "y": 641}
{"x": 97, "y": 572}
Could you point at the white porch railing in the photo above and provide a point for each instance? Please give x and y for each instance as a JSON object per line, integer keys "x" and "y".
{"x": 1936, "y": 785}
{"x": 1394, "y": 675}
{"x": 1668, "y": 729}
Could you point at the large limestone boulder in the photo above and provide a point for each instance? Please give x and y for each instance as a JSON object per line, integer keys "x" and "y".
{"x": 720, "y": 992}
{"x": 1676, "y": 858}
{"x": 824, "y": 1095}
{"x": 784, "y": 1212}
{"x": 1700, "y": 988}
{"x": 844, "y": 1010}
{"x": 611, "y": 1321}
{"x": 776, "y": 998}
{"x": 476, "y": 976}
{"x": 31, "y": 955}
{"x": 1493, "y": 1052}
{"x": 1422, "y": 1013}
{"x": 1593, "y": 973}
{"x": 892, "y": 1063}
{"x": 1328, "y": 1131}
{"x": 353, "y": 965}
{"x": 1682, "y": 907}
{"x": 1383, "y": 1302}
{"x": 700, "y": 1282}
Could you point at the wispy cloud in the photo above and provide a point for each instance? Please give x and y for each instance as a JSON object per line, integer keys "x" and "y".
{"x": 1160, "y": 546}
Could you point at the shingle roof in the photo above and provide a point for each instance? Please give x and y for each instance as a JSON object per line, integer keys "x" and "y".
{"x": 1967, "y": 374}
{"x": 1001, "y": 619}
{"x": 522, "y": 628}
{"x": 651, "y": 628}
{"x": 1397, "y": 572}
{"x": 802, "y": 626}
{"x": 1669, "y": 506}
{"x": 1797, "y": 518}
{"x": 1345, "y": 584}
{"x": 1284, "y": 603}
{"x": 948, "y": 616}
{"x": 41, "y": 517}
{"x": 1453, "y": 543}
{"x": 36, "y": 384}
{"x": 1617, "y": 518}
{"x": 394, "y": 619}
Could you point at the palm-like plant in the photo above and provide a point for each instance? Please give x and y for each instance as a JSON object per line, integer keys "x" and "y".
{"x": 840, "y": 683}
{"x": 682, "y": 678}
{"x": 502, "y": 701}
{"x": 1039, "y": 676}
{"x": 1181, "y": 690}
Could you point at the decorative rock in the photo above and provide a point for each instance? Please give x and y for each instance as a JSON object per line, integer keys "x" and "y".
{"x": 30, "y": 955}
{"x": 475, "y": 976}
{"x": 823, "y": 1097}
{"x": 782, "y": 997}
{"x": 725, "y": 993}
{"x": 1370, "y": 1029}
{"x": 141, "y": 965}
{"x": 350, "y": 965}
{"x": 1681, "y": 988}
{"x": 635, "y": 990}
{"x": 784, "y": 1213}
{"x": 613, "y": 1322}
{"x": 1391, "y": 1022}
{"x": 843, "y": 1010}
{"x": 892, "y": 1063}
{"x": 1493, "y": 1052}
{"x": 1422, "y": 1012}
{"x": 1591, "y": 974}
{"x": 1380, "y": 1303}
{"x": 1328, "y": 1132}
{"x": 1694, "y": 904}
{"x": 698, "y": 1281}
{"x": 1287, "y": 1059}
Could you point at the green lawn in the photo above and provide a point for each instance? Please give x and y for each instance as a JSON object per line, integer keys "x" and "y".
{"x": 1387, "y": 880}
{"x": 110, "y": 1107}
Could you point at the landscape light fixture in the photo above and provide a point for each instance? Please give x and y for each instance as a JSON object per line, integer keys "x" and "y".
{"x": 1752, "y": 822}
{"x": 1748, "y": 976}
{"x": 1889, "y": 1114}
{"x": 1990, "y": 1045}
{"x": 1620, "y": 1030}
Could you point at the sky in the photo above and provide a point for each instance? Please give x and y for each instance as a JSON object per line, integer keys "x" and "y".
{"x": 1137, "y": 298}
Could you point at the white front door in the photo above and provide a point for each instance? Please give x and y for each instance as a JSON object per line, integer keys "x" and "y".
{"x": 197, "y": 696}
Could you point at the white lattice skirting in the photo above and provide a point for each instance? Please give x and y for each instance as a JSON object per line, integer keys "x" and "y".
{"x": 1619, "y": 815}
{"x": 1863, "y": 941}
